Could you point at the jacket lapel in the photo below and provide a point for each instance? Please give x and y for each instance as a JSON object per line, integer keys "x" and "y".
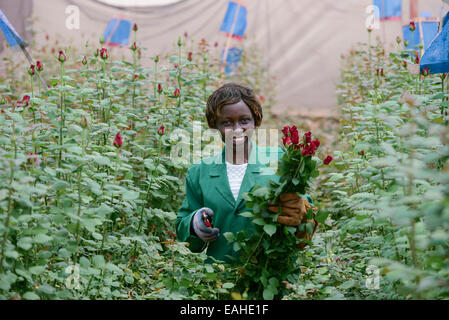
{"x": 221, "y": 185}
{"x": 218, "y": 170}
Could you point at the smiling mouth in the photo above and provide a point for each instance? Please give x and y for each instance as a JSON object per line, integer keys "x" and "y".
{"x": 239, "y": 140}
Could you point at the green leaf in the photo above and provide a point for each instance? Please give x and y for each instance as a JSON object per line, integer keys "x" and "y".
{"x": 42, "y": 238}
{"x": 261, "y": 192}
{"x": 309, "y": 227}
{"x": 268, "y": 293}
{"x": 31, "y": 296}
{"x": 321, "y": 216}
{"x": 270, "y": 229}
{"x": 229, "y": 236}
{"x": 259, "y": 221}
{"x": 227, "y": 285}
{"x": 12, "y": 254}
{"x": 36, "y": 270}
{"x": 98, "y": 261}
{"x": 25, "y": 243}
{"x": 309, "y": 214}
{"x": 246, "y": 214}
{"x": 59, "y": 185}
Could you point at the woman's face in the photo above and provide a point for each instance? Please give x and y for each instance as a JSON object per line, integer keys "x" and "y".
{"x": 235, "y": 122}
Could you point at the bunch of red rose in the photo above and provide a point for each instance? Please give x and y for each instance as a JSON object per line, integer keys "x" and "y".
{"x": 308, "y": 146}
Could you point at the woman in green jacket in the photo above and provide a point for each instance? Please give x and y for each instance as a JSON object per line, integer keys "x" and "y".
{"x": 214, "y": 185}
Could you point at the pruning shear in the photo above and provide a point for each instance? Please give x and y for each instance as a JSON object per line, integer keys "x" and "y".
{"x": 206, "y": 221}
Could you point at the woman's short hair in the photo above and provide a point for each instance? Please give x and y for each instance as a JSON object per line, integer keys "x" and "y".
{"x": 231, "y": 93}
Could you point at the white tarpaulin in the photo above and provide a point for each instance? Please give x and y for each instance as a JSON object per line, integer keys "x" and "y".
{"x": 301, "y": 40}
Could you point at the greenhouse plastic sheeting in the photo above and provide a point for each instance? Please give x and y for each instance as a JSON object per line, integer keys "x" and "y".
{"x": 300, "y": 40}
{"x": 436, "y": 57}
{"x": 389, "y": 9}
{"x": 117, "y": 32}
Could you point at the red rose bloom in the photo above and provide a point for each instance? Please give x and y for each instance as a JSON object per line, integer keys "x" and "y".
{"x": 286, "y": 141}
{"x": 327, "y": 160}
{"x": 308, "y": 136}
{"x": 286, "y": 130}
{"x": 295, "y": 137}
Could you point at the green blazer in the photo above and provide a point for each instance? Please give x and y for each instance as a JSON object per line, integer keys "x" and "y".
{"x": 207, "y": 185}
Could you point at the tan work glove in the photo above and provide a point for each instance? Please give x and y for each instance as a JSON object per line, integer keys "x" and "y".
{"x": 293, "y": 209}
{"x": 304, "y": 234}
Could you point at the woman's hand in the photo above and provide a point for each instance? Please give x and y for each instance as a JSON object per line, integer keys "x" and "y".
{"x": 294, "y": 209}
{"x": 201, "y": 225}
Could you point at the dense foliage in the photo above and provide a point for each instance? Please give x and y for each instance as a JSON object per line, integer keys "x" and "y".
{"x": 89, "y": 191}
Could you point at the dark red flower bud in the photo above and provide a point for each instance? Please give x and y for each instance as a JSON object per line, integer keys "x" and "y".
{"x": 104, "y": 53}
{"x": 133, "y": 46}
{"x": 39, "y": 66}
{"x": 177, "y": 93}
{"x": 83, "y": 122}
{"x": 189, "y": 57}
{"x": 25, "y": 100}
{"x": 159, "y": 88}
{"x": 32, "y": 158}
{"x": 327, "y": 160}
{"x": 135, "y": 27}
{"x": 62, "y": 57}
{"x": 31, "y": 70}
{"x": 412, "y": 26}
{"x": 161, "y": 130}
{"x": 118, "y": 141}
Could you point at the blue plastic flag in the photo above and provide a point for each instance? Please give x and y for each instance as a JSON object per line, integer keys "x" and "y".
{"x": 389, "y": 9}
{"x": 436, "y": 57}
{"x": 11, "y": 35}
{"x": 233, "y": 58}
{"x": 117, "y": 32}
{"x": 235, "y": 20}
{"x": 430, "y": 29}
